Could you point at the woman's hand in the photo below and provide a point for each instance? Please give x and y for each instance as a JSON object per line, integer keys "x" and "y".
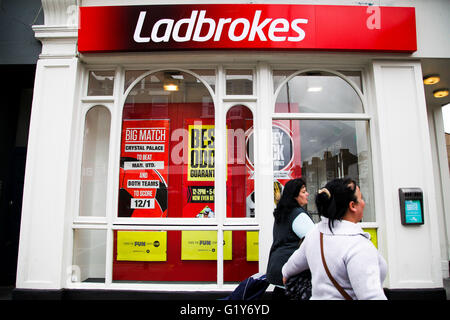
{"x": 284, "y": 280}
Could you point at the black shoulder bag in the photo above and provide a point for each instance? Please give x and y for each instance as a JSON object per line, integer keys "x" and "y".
{"x": 298, "y": 287}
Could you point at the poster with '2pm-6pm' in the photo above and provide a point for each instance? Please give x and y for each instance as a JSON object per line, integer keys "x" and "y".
{"x": 198, "y": 182}
{"x": 144, "y": 168}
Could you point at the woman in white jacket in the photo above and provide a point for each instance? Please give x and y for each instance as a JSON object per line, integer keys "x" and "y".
{"x": 352, "y": 260}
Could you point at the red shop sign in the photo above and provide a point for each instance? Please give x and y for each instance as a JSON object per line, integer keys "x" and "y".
{"x": 247, "y": 26}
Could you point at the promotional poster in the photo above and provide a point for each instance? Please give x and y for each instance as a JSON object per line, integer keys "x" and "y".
{"x": 198, "y": 181}
{"x": 144, "y": 168}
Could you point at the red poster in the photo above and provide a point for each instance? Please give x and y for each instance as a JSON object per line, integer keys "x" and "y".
{"x": 286, "y": 157}
{"x": 286, "y": 150}
{"x": 144, "y": 158}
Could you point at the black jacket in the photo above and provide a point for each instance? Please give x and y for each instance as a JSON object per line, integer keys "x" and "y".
{"x": 285, "y": 242}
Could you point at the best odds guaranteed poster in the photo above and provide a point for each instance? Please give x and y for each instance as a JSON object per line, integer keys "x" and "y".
{"x": 199, "y": 172}
{"x": 144, "y": 159}
{"x": 198, "y": 188}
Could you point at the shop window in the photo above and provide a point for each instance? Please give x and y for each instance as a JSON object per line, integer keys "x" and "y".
{"x": 190, "y": 255}
{"x": 319, "y": 92}
{"x": 240, "y": 255}
{"x": 101, "y": 83}
{"x": 167, "y": 148}
{"x": 89, "y": 256}
{"x": 130, "y": 77}
{"x": 239, "y": 82}
{"x": 279, "y": 76}
{"x": 173, "y": 255}
{"x": 354, "y": 77}
{"x": 208, "y": 75}
{"x": 94, "y": 166}
{"x": 240, "y": 170}
{"x": 323, "y": 150}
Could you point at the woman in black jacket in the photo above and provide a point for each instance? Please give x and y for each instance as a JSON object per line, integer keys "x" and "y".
{"x": 292, "y": 222}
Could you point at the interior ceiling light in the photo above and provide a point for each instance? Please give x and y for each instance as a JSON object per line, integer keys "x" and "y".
{"x": 440, "y": 93}
{"x": 314, "y": 89}
{"x": 431, "y": 79}
{"x": 170, "y": 86}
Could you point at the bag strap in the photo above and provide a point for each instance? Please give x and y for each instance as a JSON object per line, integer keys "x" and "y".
{"x": 338, "y": 287}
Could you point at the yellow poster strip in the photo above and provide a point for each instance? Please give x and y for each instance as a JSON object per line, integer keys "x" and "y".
{"x": 142, "y": 245}
{"x": 202, "y": 245}
{"x": 252, "y": 245}
{"x": 373, "y": 235}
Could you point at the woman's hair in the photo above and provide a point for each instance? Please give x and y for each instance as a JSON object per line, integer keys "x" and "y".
{"x": 287, "y": 201}
{"x": 332, "y": 201}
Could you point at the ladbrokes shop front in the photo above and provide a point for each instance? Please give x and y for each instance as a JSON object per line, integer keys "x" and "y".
{"x": 161, "y": 135}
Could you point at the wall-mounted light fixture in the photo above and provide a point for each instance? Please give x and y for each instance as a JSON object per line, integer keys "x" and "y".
{"x": 440, "y": 93}
{"x": 431, "y": 79}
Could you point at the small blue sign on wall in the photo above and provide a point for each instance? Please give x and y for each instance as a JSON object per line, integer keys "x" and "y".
{"x": 413, "y": 211}
{"x": 411, "y": 206}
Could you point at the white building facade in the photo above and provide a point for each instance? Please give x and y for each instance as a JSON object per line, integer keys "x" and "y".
{"x": 130, "y": 184}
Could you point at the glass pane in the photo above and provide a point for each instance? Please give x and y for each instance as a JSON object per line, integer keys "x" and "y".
{"x": 89, "y": 255}
{"x": 167, "y": 148}
{"x": 328, "y": 149}
{"x": 241, "y": 255}
{"x": 207, "y": 75}
{"x": 94, "y": 168}
{"x": 239, "y": 82}
{"x": 130, "y": 76}
{"x": 355, "y": 77}
{"x": 318, "y": 92}
{"x": 279, "y": 76}
{"x": 101, "y": 83}
{"x": 240, "y": 181}
{"x": 183, "y": 256}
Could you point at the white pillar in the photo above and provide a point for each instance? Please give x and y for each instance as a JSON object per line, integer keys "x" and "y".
{"x": 45, "y": 197}
{"x": 404, "y": 160}
{"x": 264, "y": 204}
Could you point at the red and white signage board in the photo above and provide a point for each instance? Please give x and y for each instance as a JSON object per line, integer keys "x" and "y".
{"x": 144, "y": 160}
{"x": 247, "y": 26}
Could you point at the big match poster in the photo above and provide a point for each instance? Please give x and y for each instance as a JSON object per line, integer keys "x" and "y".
{"x": 143, "y": 176}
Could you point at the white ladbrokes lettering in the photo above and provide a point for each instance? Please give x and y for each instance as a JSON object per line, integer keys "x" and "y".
{"x": 239, "y": 29}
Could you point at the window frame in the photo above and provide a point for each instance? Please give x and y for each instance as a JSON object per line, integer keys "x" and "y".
{"x": 261, "y": 103}
{"x": 366, "y": 115}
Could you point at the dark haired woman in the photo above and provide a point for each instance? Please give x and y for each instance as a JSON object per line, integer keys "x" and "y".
{"x": 352, "y": 260}
{"x": 292, "y": 222}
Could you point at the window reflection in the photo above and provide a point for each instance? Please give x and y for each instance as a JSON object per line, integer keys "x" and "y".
{"x": 94, "y": 167}
{"x": 334, "y": 149}
{"x": 239, "y": 82}
{"x": 89, "y": 255}
{"x": 240, "y": 180}
{"x": 101, "y": 83}
{"x": 318, "y": 92}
